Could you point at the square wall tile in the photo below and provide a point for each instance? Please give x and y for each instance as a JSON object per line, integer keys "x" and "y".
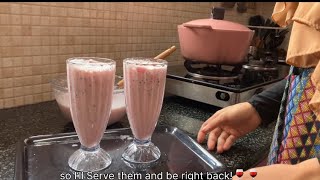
{"x": 37, "y": 38}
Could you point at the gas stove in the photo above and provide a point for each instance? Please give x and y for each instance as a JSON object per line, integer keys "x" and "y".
{"x": 221, "y": 85}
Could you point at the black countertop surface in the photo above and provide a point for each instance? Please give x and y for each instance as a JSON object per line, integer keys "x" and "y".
{"x": 45, "y": 118}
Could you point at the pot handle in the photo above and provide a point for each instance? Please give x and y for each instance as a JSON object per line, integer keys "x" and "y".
{"x": 197, "y": 26}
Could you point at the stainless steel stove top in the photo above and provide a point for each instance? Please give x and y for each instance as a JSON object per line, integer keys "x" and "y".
{"x": 222, "y": 92}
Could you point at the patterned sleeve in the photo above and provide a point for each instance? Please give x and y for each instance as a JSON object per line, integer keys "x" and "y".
{"x": 267, "y": 103}
{"x": 318, "y": 150}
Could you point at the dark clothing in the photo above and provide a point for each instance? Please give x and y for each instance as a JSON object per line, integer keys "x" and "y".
{"x": 267, "y": 103}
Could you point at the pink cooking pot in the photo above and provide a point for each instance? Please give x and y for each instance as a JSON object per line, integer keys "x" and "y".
{"x": 214, "y": 40}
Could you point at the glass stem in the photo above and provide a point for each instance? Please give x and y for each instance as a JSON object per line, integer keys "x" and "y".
{"x": 91, "y": 149}
{"x": 139, "y": 142}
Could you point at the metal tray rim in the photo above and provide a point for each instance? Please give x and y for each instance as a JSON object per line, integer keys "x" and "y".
{"x": 181, "y": 135}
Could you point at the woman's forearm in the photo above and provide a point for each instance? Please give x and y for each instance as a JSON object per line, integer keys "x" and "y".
{"x": 306, "y": 170}
{"x": 309, "y": 169}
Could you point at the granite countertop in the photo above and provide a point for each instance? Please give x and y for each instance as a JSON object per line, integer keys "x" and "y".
{"x": 45, "y": 118}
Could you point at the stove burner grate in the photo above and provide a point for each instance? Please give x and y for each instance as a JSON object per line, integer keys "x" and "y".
{"x": 210, "y": 71}
{"x": 212, "y": 77}
{"x": 259, "y": 65}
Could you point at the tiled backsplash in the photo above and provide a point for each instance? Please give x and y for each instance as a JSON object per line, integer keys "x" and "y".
{"x": 37, "y": 38}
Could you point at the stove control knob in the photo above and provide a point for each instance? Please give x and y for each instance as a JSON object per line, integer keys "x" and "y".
{"x": 222, "y": 96}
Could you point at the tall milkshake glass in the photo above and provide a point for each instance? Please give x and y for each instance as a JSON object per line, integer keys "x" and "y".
{"x": 90, "y": 82}
{"x": 144, "y": 90}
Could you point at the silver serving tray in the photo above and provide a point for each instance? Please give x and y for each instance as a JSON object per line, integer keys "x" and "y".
{"x": 45, "y": 157}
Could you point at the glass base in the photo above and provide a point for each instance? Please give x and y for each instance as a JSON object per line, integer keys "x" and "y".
{"x": 141, "y": 155}
{"x": 89, "y": 159}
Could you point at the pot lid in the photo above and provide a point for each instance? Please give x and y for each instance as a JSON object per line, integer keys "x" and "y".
{"x": 216, "y": 25}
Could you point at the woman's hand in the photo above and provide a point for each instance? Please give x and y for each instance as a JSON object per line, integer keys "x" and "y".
{"x": 229, "y": 124}
{"x": 307, "y": 170}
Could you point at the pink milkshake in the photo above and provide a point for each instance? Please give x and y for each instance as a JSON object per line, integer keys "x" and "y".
{"x": 144, "y": 91}
{"x": 91, "y": 89}
{"x": 90, "y": 82}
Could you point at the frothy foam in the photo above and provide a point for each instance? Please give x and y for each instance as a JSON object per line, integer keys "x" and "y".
{"x": 154, "y": 62}
{"x": 92, "y": 65}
